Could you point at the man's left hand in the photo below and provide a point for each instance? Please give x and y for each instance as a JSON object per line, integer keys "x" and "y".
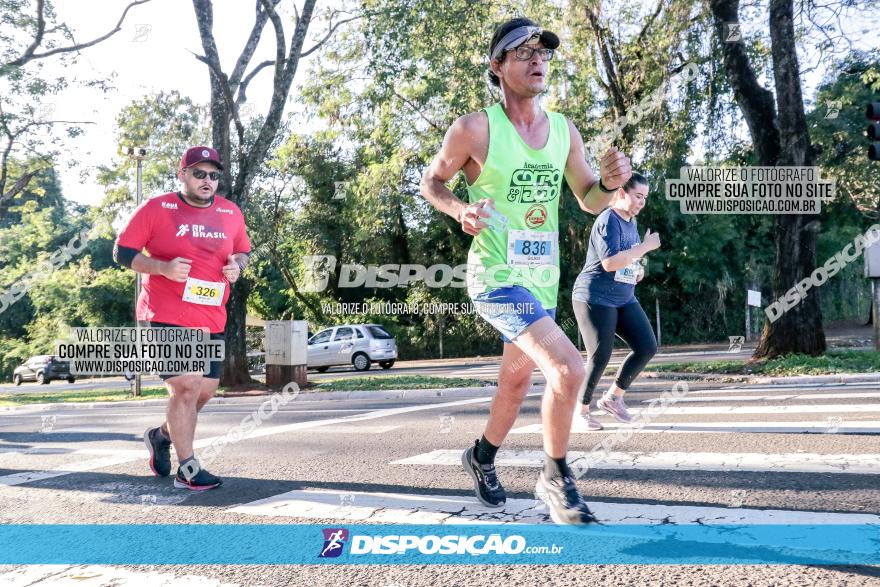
{"x": 231, "y": 270}
{"x": 615, "y": 169}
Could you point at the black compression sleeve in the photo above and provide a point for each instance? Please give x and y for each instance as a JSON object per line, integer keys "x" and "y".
{"x": 124, "y": 255}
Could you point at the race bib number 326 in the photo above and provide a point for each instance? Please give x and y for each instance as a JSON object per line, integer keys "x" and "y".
{"x": 205, "y": 293}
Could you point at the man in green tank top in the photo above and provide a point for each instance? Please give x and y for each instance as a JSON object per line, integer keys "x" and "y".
{"x": 513, "y": 156}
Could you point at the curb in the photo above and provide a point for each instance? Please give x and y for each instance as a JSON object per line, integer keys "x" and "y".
{"x": 398, "y": 393}
{"x": 763, "y": 380}
{"x": 305, "y": 396}
{"x": 100, "y": 405}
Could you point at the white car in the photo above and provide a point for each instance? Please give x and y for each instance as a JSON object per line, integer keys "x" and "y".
{"x": 359, "y": 345}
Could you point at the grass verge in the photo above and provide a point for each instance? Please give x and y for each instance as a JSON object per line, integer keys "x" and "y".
{"x": 398, "y": 382}
{"x": 79, "y": 396}
{"x": 831, "y": 363}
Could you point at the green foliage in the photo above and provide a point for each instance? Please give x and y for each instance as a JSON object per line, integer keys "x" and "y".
{"x": 165, "y": 124}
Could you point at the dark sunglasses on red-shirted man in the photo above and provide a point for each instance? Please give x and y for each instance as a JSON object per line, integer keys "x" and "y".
{"x": 202, "y": 174}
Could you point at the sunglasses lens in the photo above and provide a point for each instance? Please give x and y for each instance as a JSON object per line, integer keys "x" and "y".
{"x": 202, "y": 174}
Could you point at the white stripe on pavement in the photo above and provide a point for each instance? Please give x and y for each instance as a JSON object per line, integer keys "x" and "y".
{"x": 258, "y": 432}
{"x": 394, "y": 508}
{"x": 781, "y": 398}
{"x": 100, "y": 576}
{"x": 830, "y": 426}
{"x": 66, "y": 450}
{"x": 80, "y": 467}
{"x": 787, "y": 386}
{"x": 860, "y": 464}
{"x": 732, "y": 410}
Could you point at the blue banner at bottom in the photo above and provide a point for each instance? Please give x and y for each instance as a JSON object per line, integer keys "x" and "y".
{"x": 439, "y": 544}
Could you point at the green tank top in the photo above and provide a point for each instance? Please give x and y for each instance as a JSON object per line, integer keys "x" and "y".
{"x": 525, "y": 186}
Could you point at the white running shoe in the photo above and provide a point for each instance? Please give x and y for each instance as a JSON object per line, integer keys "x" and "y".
{"x": 591, "y": 422}
{"x": 614, "y": 406}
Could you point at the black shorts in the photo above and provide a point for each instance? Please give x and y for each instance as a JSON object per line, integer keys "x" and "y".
{"x": 216, "y": 368}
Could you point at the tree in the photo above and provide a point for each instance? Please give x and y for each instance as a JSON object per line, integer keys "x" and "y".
{"x": 244, "y": 155}
{"x": 22, "y": 113}
{"x": 780, "y": 137}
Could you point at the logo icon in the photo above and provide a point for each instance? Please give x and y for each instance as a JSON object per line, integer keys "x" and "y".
{"x": 147, "y": 502}
{"x": 206, "y": 153}
{"x": 334, "y": 540}
{"x": 340, "y": 190}
{"x": 446, "y": 421}
{"x": 536, "y": 216}
{"x": 47, "y": 423}
{"x": 316, "y": 273}
{"x": 736, "y": 344}
{"x": 833, "y": 424}
{"x": 141, "y": 32}
{"x": 732, "y": 32}
{"x": 182, "y": 229}
{"x": 834, "y": 107}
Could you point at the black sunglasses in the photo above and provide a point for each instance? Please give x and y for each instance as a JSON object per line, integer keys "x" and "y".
{"x": 202, "y": 174}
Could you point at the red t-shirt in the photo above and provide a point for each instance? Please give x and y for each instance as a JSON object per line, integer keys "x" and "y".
{"x": 167, "y": 227}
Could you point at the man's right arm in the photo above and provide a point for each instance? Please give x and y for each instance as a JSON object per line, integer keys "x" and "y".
{"x": 137, "y": 261}
{"x": 454, "y": 154}
{"x": 176, "y": 270}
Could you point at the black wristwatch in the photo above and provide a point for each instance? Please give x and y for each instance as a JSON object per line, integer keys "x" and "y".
{"x": 604, "y": 189}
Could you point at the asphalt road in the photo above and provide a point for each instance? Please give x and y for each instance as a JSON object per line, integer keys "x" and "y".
{"x": 476, "y": 368}
{"x": 786, "y": 454}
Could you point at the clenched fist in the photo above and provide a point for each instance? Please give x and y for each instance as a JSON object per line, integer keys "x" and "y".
{"x": 615, "y": 169}
{"x": 177, "y": 269}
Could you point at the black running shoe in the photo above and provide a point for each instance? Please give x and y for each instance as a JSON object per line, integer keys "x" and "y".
{"x": 201, "y": 481}
{"x": 562, "y": 498}
{"x": 160, "y": 452}
{"x": 489, "y": 491}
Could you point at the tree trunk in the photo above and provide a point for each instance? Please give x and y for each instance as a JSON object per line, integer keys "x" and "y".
{"x": 778, "y": 140}
{"x": 800, "y": 329}
{"x": 247, "y": 160}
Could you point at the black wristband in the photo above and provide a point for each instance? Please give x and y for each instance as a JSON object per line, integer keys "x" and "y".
{"x": 604, "y": 189}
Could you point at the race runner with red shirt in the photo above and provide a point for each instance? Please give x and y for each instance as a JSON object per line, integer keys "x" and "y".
{"x": 196, "y": 246}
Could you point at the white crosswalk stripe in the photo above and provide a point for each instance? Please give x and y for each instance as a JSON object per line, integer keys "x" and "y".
{"x": 100, "y": 576}
{"x": 828, "y": 426}
{"x": 395, "y": 508}
{"x": 864, "y": 464}
{"x": 778, "y": 398}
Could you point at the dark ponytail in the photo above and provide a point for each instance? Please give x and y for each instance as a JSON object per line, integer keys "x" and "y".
{"x": 636, "y": 179}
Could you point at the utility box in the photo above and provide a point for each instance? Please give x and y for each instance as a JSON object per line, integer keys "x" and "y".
{"x": 872, "y": 260}
{"x": 286, "y": 352}
{"x": 872, "y": 270}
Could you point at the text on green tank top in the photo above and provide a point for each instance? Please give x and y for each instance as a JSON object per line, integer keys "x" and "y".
{"x": 525, "y": 186}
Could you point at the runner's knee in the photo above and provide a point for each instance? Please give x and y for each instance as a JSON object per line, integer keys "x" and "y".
{"x": 569, "y": 377}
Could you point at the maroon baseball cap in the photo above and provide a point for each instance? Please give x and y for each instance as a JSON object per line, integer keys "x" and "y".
{"x": 195, "y": 155}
